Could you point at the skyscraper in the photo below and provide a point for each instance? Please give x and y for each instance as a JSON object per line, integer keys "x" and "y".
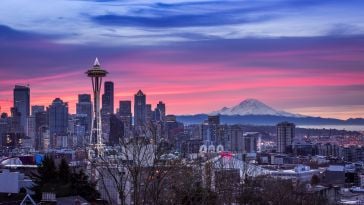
{"x": 116, "y": 130}
{"x": 84, "y": 110}
{"x": 139, "y": 108}
{"x": 285, "y": 135}
{"x": 148, "y": 113}
{"x": 214, "y": 120}
{"x": 57, "y": 120}
{"x": 108, "y": 98}
{"x": 236, "y": 139}
{"x": 22, "y": 103}
{"x": 36, "y": 109}
{"x": 4, "y": 126}
{"x": 125, "y": 112}
{"x": 161, "y": 109}
{"x": 84, "y": 98}
{"x": 41, "y": 127}
{"x": 213, "y": 127}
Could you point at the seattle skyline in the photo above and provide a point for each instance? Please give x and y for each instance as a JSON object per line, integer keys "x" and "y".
{"x": 272, "y": 51}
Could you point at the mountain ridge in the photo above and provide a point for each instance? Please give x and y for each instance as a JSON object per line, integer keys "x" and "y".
{"x": 252, "y": 111}
{"x": 252, "y": 106}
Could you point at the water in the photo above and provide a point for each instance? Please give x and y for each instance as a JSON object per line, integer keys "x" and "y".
{"x": 338, "y": 127}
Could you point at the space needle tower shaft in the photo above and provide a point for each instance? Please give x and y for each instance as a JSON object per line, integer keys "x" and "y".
{"x": 96, "y": 73}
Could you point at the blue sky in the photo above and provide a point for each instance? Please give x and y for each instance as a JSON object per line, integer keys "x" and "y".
{"x": 153, "y": 22}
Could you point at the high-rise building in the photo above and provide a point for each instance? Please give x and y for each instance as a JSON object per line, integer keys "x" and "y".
{"x": 251, "y": 142}
{"x": 214, "y": 120}
{"x": 15, "y": 121}
{"x": 236, "y": 139}
{"x": 213, "y": 126}
{"x": 22, "y": 103}
{"x": 108, "y": 98}
{"x": 160, "y": 112}
{"x": 41, "y": 127}
{"x": 139, "y": 108}
{"x": 57, "y": 120}
{"x": 37, "y": 108}
{"x": 125, "y": 112}
{"x": 285, "y": 135}
{"x": 148, "y": 113}
{"x": 116, "y": 130}
{"x": 107, "y": 108}
{"x": 4, "y": 126}
{"x": 84, "y": 110}
{"x": 30, "y": 132}
{"x": 84, "y": 98}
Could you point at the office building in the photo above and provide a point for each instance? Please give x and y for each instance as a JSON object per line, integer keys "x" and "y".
{"x": 37, "y": 108}
{"x": 84, "y": 110}
{"x": 213, "y": 128}
{"x": 236, "y": 139}
{"x": 57, "y": 120}
{"x": 108, "y": 98}
{"x": 30, "y": 132}
{"x": 139, "y": 108}
{"x": 125, "y": 113}
{"x": 214, "y": 119}
{"x": 148, "y": 113}
{"x": 22, "y": 103}
{"x": 41, "y": 127}
{"x": 160, "y": 112}
{"x": 4, "y": 126}
{"x": 116, "y": 130}
{"x": 285, "y": 135}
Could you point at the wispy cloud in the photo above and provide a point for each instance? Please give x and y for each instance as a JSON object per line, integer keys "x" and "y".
{"x": 141, "y": 22}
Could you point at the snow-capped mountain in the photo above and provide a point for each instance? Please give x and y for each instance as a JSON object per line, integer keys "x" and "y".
{"x": 253, "y": 107}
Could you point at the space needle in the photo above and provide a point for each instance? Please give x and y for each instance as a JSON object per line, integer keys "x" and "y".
{"x": 96, "y": 73}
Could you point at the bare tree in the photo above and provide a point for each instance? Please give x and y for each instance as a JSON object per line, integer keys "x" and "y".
{"x": 138, "y": 169}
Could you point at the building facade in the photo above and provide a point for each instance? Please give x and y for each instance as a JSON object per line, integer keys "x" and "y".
{"x": 22, "y": 103}
{"x": 108, "y": 98}
{"x": 57, "y": 120}
{"x": 285, "y": 135}
{"x": 139, "y": 108}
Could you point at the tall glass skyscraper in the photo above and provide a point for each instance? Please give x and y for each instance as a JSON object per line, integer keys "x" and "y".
{"x": 161, "y": 109}
{"x": 139, "y": 108}
{"x": 108, "y": 98}
{"x": 22, "y": 103}
{"x": 125, "y": 112}
{"x": 57, "y": 119}
{"x": 36, "y": 109}
{"x": 285, "y": 135}
{"x": 84, "y": 109}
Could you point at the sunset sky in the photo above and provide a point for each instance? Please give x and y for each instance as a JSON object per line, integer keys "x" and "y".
{"x": 302, "y": 56}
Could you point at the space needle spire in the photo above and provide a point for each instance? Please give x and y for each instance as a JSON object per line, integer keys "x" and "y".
{"x": 96, "y": 73}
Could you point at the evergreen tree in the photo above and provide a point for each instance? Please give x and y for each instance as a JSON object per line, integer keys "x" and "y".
{"x": 64, "y": 173}
{"x": 62, "y": 181}
{"x": 45, "y": 178}
{"x": 82, "y": 186}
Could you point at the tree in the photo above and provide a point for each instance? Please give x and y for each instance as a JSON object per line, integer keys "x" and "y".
{"x": 274, "y": 191}
{"x": 315, "y": 180}
{"x": 45, "y": 178}
{"x": 80, "y": 185}
{"x": 62, "y": 181}
{"x": 140, "y": 169}
{"x": 64, "y": 173}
